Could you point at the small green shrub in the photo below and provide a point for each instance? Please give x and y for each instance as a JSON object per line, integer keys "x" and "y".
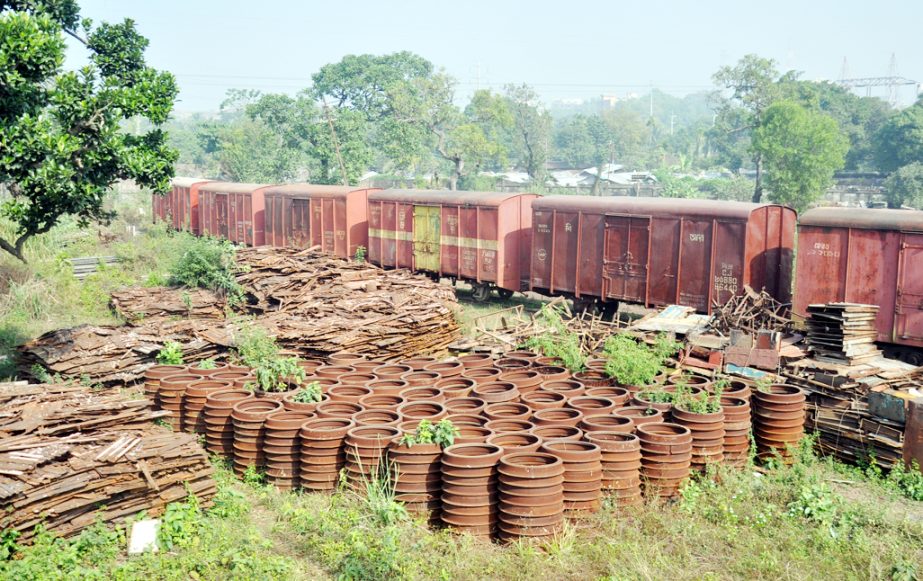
{"x": 558, "y": 341}
{"x": 206, "y": 364}
{"x": 209, "y": 263}
{"x": 360, "y": 254}
{"x": 633, "y": 363}
{"x": 170, "y": 354}
{"x": 310, "y": 393}
{"x": 443, "y": 434}
{"x": 181, "y": 524}
{"x": 257, "y": 350}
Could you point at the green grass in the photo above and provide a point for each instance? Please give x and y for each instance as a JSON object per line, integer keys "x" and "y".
{"x": 802, "y": 522}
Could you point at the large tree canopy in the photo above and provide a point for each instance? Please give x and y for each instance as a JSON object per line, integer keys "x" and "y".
{"x": 801, "y": 149}
{"x": 900, "y": 141}
{"x": 61, "y": 140}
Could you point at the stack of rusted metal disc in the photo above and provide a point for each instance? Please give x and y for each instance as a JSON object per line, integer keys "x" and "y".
{"x": 417, "y": 474}
{"x": 736, "y": 429}
{"x": 282, "y": 447}
{"x": 365, "y": 450}
{"x": 153, "y": 376}
{"x": 322, "y": 452}
{"x": 778, "y": 420}
{"x": 469, "y": 488}
{"x": 249, "y": 419}
{"x": 194, "y": 399}
{"x": 531, "y": 496}
{"x": 219, "y": 428}
{"x": 666, "y": 455}
{"x": 582, "y": 474}
{"x": 621, "y": 465}
{"x": 707, "y": 435}
{"x": 170, "y": 396}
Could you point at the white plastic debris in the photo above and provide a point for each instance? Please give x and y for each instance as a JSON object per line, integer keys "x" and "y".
{"x": 143, "y": 536}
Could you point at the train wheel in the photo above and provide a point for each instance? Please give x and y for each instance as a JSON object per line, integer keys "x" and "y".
{"x": 913, "y": 358}
{"x": 505, "y": 294}
{"x": 480, "y": 292}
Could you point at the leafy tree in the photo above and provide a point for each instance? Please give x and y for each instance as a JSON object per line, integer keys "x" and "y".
{"x": 532, "y": 127}
{"x": 753, "y": 85}
{"x": 61, "y": 140}
{"x": 900, "y": 141}
{"x": 247, "y": 150}
{"x": 468, "y": 140}
{"x": 905, "y": 186}
{"x": 305, "y": 127}
{"x": 801, "y": 149}
{"x": 860, "y": 118}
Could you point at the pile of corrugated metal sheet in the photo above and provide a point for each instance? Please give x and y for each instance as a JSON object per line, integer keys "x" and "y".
{"x": 314, "y": 304}
{"x": 842, "y": 332}
{"x": 857, "y": 411}
{"x": 120, "y": 355}
{"x": 139, "y": 306}
{"x": 70, "y": 455}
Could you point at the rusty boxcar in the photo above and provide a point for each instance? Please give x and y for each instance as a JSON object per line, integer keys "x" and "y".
{"x": 180, "y": 206}
{"x": 233, "y": 211}
{"x": 871, "y": 256}
{"x": 481, "y": 237}
{"x": 335, "y": 218}
{"x": 660, "y": 251}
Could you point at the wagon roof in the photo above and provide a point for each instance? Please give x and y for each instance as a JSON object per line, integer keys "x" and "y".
{"x": 185, "y": 182}
{"x": 649, "y": 206}
{"x": 231, "y": 187}
{"x": 865, "y": 218}
{"x": 313, "y": 190}
{"x": 450, "y": 197}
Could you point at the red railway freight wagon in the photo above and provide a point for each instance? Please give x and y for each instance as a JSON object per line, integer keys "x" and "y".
{"x": 180, "y": 206}
{"x": 233, "y": 211}
{"x": 869, "y": 256}
{"x": 335, "y": 218}
{"x": 660, "y": 251}
{"x": 481, "y": 237}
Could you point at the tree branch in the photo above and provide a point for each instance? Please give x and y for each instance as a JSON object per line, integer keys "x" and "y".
{"x": 73, "y": 33}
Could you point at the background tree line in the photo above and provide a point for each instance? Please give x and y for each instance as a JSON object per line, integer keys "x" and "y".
{"x": 772, "y": 134}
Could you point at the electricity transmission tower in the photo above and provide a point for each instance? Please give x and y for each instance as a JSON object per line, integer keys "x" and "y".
{"x": 893, "y": 81}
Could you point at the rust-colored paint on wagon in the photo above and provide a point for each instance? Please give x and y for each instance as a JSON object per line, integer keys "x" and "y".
{"x": 180, "y": 206}
{"x": 660, "y": 251}
{"x": 334, "y": 218}
{"x": 869, "y": 256}
{"x": 478, "y": 236}
{"x": 233, "y": 211}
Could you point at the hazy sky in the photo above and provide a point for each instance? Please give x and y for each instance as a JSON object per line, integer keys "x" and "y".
{"x": 576, "y": 48}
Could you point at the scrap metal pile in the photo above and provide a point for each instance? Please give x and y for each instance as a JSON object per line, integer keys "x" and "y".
{"x": 70, "y": 455}
{"x": 314, "y": 305}
{"x": 752, "y": 312}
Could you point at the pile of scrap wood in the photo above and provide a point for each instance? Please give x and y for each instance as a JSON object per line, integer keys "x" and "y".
{"x": 141, "y": 305}
{"x": 842, "y": 332}
{"x": 846, "y": 407}
{"x": 71, "y": 455}
{"x": 120, "y": 355}
{"x": 751, "y": 312}
{"x": 314, "y": 304}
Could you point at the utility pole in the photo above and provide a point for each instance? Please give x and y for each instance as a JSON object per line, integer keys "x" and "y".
{"x": 336, "y": 144}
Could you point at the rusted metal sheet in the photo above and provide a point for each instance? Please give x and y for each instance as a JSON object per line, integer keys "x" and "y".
{"x": 477, "y": 236}
{"x": 233, "y": 211}
{"x": 658, "y": 251}
{"x": 866, "y": 256}
{"x": 335, "y": 218}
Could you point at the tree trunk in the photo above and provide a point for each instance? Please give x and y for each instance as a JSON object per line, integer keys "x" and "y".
{"x": 16, "y": 250}
{"x": 596, "y": 182}
{"x": 758, "y": 189}
{"x": 457, "y": 172}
